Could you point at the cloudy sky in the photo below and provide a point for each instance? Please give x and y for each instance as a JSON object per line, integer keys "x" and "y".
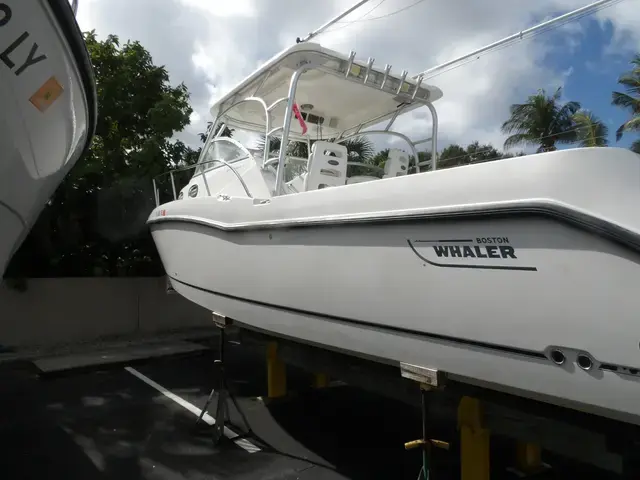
{"x": 212, "y": 44}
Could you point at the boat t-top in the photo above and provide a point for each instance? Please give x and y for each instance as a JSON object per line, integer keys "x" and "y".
{"x": 48, "y": 109}
{"x": 518, "y": 275}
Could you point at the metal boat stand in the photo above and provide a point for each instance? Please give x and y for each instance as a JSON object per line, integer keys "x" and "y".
{"x": 429, "y": 380}
{"x": 222, "y": 419}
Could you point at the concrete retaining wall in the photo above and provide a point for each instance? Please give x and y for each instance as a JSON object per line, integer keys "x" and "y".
{"x": 68, "y": 310}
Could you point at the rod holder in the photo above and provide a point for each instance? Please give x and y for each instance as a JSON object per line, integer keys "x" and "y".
{"x": 402, "y": 78}
{"x": 418, "y": 83}
{"x": 369, "y": 66}
{"x": 352, "y": 56}
{"x": 387, "y": 69}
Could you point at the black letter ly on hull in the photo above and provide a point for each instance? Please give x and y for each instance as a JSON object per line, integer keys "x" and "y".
{"x": 6, "y": 14}
{"x": 6, "y": 55}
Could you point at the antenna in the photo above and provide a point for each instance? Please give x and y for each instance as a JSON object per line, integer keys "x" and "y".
{"x": 428, "y": 73}
{"x": 321, "y": 29}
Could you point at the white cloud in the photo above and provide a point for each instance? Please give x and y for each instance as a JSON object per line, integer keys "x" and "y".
{"x": 213, "y": 44}
{"x": 235, "y": 8}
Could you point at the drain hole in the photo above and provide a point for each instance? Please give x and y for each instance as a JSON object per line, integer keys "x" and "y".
{"x": 633, "y": 371}
{"x": 558, "y": 357}
{"x": 584, "y": 362}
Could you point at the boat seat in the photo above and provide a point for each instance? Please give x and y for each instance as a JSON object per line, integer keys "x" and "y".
{"x": 327, "y": 166}
{"x": 297, "y": 183}
{"x": 397, "y": 164}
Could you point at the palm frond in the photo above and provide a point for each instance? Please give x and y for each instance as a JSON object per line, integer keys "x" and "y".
{"x": 519, "y": 139}
{"x": 635, "y": 146}
{"x": 542, "y": 120}
{"x": 629, "y": 101}
{"x": 591, "y": 132}
{"x": 631, "y": 81}
{"x": 626, "y": 101}
{"x": 360, "y": 148}
{"x": 632, "y": 125}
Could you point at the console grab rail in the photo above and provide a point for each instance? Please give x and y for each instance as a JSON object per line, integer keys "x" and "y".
{"x": 204, "y": 177}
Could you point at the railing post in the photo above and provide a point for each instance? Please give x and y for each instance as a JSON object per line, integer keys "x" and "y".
{"x": 155, "y": 192}
{"x": 206, "y": 184}
{"x": 173, "y": 185}
{"x": 434, "y": 136}
{"x": 285, "y": 129}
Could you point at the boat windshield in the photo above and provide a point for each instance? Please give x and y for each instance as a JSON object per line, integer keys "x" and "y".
{"x": 221, "y": 148}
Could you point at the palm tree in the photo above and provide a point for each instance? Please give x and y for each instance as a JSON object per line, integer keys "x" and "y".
{"x": 542, "y": 120}
{"x": 227, "y": 132}
{"x": 630, "y": 101}
{"x": 591, "y": 132}
{"x": 359, "y": 148}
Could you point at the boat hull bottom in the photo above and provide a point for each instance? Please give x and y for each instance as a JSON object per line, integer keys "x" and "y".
{"x": 533, "y": 378}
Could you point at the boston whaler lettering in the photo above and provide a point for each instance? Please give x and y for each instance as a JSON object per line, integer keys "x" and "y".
{"x": 445, "y": 253}
{"x": 47, "y": 107}
{"x": 499, "y": 273}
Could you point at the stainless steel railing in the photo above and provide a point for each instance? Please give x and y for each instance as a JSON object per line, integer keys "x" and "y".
{"x": 170, "y": 173}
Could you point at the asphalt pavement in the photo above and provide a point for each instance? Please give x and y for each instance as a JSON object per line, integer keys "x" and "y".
{"x": 137, "y": 421}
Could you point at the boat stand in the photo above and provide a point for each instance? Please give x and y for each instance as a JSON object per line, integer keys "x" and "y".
{"x": 429, "y": 380}
{"x": 222, "y": 418}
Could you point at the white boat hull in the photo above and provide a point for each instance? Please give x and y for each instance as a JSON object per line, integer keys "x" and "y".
{"x": 47, "y": 110}
{"x": 484, "y": 294}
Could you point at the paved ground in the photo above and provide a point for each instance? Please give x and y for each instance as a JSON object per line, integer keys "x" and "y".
{"x": 114, "y": 423}
{"x": 111, "y": 424}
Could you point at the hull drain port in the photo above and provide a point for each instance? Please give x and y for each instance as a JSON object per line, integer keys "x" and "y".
{"x": 584, "y": 361}
{"x": 557, "y": 356}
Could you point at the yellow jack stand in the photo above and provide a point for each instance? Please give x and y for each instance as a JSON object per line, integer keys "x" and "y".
{"x": 474, "y": 441}
{"x": 276, "y": 373}
{"x": 320, "y": 380}
{"x": 528, "y": 460}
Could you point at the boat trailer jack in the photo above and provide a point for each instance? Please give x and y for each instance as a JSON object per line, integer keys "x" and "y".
{"x": 428, "y": 380}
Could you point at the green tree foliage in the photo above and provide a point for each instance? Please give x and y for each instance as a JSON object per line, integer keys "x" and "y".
{"x": 359, "y": 148}
{"x": 455, "y": 155}
{"x": 630, "y": 101}
{"x": 591, "y": 132}
{"x": 541, "y": 121}
{"x": 95, "y": 222}
{"x": 451, "y": 156}
{"x": 227, "y": 132}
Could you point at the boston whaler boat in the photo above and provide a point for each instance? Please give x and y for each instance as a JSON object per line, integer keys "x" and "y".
{"x": 519, "y": 275}
{"x": 48, "y": 109}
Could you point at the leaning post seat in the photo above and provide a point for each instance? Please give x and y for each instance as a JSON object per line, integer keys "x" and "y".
{"x": 397, "y": 164}
{"x": 327, "y": 166}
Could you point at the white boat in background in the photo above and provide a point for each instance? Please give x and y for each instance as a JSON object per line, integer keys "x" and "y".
{"x": 519, "y": 275}
{"x": 48, "y": 109}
